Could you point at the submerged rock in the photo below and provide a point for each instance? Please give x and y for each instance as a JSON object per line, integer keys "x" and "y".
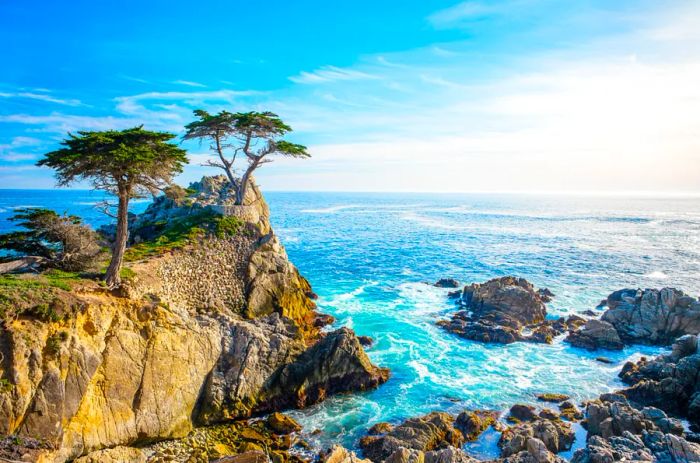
{"x": 446, "y": 283}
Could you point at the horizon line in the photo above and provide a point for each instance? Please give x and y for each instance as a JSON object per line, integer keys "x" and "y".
{"x": 616, "y": 193}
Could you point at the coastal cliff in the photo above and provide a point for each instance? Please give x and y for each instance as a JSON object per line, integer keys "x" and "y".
{"x": 206, "y": 330}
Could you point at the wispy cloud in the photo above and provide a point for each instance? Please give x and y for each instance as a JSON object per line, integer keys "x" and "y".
{"x": 330, "y": 74}
{"x": 189, "y": 83}
{"x": 41, "y": 97}
{"x": 8, "y": 150}
{"x": 465, "y": 11}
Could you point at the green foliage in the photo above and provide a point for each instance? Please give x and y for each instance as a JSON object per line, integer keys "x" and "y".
{"x": 127, "y": 274}
{"x": 256, "y": 135}
{"x": 111, "y": 159}
{"x": 5, "y": 385}
{"x": 62, "y": 240}
{"x": 54, "y": 342}
{"x": 228, "y": 226}
{"x": 43, "y": 312}
{"x": 174, "y": 235}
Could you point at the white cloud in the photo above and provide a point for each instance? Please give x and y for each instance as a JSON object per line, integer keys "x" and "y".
{"x": 188, "y": 83}
{"x": 41, "y": 97}
{"x": 330, "y": 74}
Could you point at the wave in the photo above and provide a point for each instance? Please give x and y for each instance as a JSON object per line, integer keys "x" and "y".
{"x": 656, "y": 275}
{"x": 330, "y": 210}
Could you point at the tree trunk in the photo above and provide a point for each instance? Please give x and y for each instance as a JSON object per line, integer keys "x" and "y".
{"x": 243, "y": 186}
{"x": 113, "y": 277}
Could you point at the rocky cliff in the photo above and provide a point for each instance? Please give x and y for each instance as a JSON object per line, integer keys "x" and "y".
{"x": 211, "y": 328}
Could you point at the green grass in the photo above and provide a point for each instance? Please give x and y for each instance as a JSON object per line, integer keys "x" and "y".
{"x": 5, "y": 385}
{"x": 177, "y": 233}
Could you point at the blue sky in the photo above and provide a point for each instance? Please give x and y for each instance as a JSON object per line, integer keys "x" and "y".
{"x": 513, "y": 95}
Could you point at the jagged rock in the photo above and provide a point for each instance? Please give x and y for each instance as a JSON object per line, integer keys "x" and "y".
{"x": 115, "y": 455}
{"x": 570, "y": 412}
{"x": 446, "y": 455}
{"x": 652, "y": 316}
{"x": 545, "y": 294}
{"x": 430, "y": 432}
{"x": 447, "y": 283}
{"x": 149, "y": 363}
{"x": 596, "y": 334}
{"x": 254, "y": 456}
{"x": 522, "y": 412}
{"x": 556, "y": 436}
{"x": 282, "y": 424}
{"x": 366, "y": 341}
{"x": 335, "y": 364}
{"x": 505, "y": 310}
{"x": 338, "y": 454}
{"x": 552, "y": 397}
{"x": 604, "y": 360}
{"x": 380, "y": 428}
{"x": 623, "y": 448}
{"x": 473, "y": 423}
{"x": 668, "y": 382}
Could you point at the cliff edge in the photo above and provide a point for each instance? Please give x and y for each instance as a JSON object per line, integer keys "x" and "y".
{"x": 213, "y": 324}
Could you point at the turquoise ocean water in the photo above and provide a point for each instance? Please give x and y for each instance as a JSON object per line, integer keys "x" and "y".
{"x": 368, "y": 256}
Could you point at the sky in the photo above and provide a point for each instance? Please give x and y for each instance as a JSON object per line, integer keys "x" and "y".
{"x": 440, "y": 96}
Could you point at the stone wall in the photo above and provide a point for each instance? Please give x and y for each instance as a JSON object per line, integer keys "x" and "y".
{"x": 209, "y": 275}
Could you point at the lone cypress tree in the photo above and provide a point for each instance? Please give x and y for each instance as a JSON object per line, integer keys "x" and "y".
{"x": 126, "y": 163}
{"x": 257, "y": 135}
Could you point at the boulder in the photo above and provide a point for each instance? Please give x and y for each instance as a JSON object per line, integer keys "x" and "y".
{"x": 446, "y": 283}
{"x": 596, "y": 334}
{"x": 282, "y": 424}
{"x": 498, "y": 310}
{"x": 652, "y": 316}
{"x": 556, "y": 435}
{"x": 335, "y": 364}
{"x": 668, "y": 382}
{"x": 473, "y": 423}
{"x": 339, "y": 454}
{"x": 522, "y": 412}
{"x": 426, "y": 433}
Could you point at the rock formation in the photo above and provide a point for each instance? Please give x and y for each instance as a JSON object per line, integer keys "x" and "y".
{"x": 218, "y": 329}
{"x": 505, "y": 310}
{"x": 668, "y": 382}
{"x": 635, "y": 316}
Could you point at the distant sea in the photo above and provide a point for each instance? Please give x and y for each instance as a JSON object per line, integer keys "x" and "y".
{"x": 369, "y": 255}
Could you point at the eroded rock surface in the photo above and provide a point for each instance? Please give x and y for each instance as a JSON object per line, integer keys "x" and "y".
{"x": 505, "y": 310}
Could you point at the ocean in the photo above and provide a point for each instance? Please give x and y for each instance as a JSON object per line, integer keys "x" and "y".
{"x": 370, "y": 258}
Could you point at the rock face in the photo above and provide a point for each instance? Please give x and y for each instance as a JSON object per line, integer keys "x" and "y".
{"x": 153, "y": 361}
{"x": 430, "y": 432}
{"x": 596, "y": 334}
{"x": 652, "y": 316}
{"x": 502, "y": 310}
{"x": 668, "y": 382}
{"x": 635, "y": 316}
{"x": 619, "y": 432}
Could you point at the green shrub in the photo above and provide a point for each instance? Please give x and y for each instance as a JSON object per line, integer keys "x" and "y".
{"x": 228, "y": 226}
{"x": 5, "y": 385}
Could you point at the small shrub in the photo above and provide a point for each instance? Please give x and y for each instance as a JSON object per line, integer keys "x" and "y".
{"x": 229, "y": 225}
{"x": 5, "y": 385}
{"x": 53, "y": 343}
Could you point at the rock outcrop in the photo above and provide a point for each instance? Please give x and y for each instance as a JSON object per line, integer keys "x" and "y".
{"x": 596, "y": 334}
{"x": 635, "y": 316}
{"x": 669, "y": 382}
{"x": 619, "y": 432}
{"x": 161, "y": 356}
{"x": 505, "y": 310}
{"x": 426, "y": 433}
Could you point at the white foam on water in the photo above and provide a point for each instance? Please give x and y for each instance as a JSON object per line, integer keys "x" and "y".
{"x": 656, "y": 275}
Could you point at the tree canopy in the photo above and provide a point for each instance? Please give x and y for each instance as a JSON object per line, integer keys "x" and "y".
{"x": 62, "y": 240}
{"x": 127, "y": 163}
{"x": 254, "y": 135}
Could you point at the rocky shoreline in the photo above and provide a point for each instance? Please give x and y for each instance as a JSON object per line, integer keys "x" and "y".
{"x": 196, "y": 355}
